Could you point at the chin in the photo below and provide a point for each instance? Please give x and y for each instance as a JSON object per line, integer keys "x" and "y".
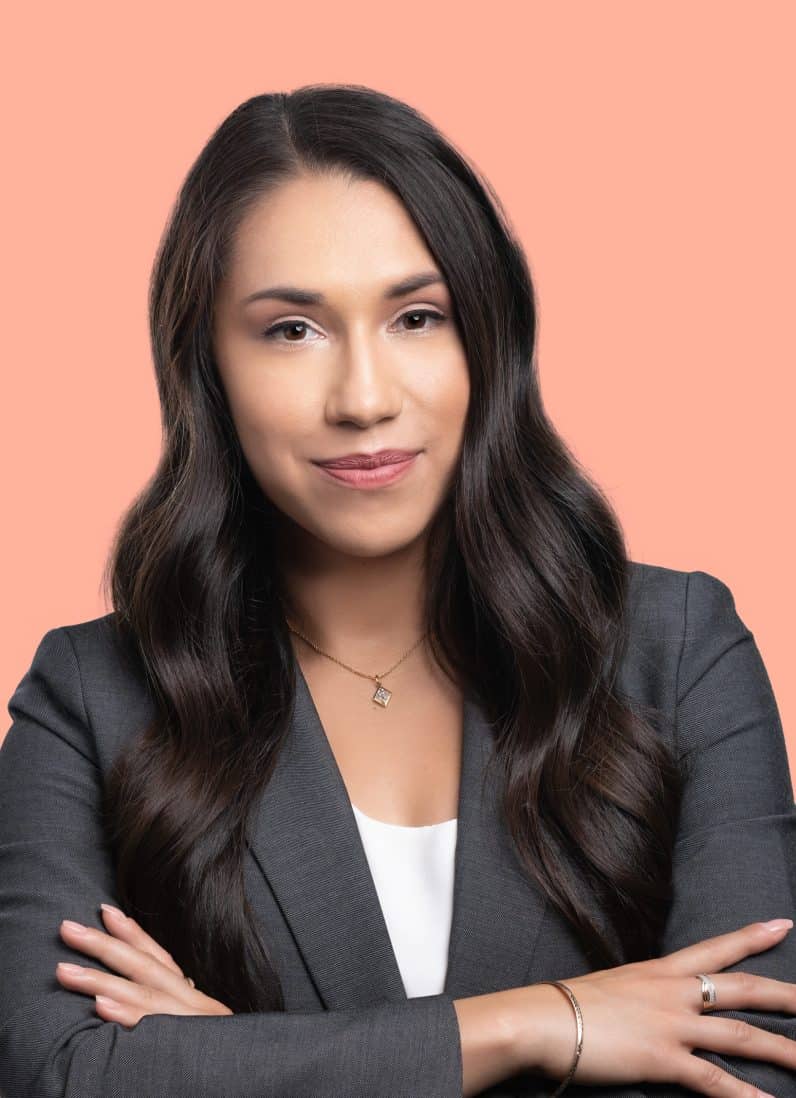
{"x": 372, "y": 544}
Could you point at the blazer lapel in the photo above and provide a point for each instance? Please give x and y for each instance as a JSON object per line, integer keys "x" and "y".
{"x": 306, "y": 842}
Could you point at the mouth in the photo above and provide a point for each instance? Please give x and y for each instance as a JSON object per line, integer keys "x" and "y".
{"x": 374, "y": 477}
{"x": 368, "y": 460}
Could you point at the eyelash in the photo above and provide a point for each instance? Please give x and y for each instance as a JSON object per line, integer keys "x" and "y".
{"x": 270, "y": 333}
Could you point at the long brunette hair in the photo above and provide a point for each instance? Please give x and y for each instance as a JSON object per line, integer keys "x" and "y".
{"x": 527, "y": 575}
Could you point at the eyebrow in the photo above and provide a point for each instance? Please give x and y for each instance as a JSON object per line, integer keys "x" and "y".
{"x": 298, "y": 296}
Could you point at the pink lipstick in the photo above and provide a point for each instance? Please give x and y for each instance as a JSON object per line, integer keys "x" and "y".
{"x": 369, "y": 470}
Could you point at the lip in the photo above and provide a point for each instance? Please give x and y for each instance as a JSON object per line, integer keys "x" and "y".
{"x": 364, "y": 478}
{"x": 368, "y": 461}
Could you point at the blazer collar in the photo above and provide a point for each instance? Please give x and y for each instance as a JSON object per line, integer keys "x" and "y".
{"x": 306, "y": 842}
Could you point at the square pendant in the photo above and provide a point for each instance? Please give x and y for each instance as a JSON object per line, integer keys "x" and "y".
{"x": 382, "y": 695}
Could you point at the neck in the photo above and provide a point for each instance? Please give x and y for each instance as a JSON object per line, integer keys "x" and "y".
{"x": 364, "y": 610}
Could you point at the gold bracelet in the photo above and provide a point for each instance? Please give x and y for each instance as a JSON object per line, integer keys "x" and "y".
{"x": 579, "y": 1043}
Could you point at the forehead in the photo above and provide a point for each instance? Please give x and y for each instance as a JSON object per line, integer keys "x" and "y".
{"x": 326, "y": 233}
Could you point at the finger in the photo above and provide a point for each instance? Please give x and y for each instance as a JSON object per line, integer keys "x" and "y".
{"x": 130, "y": 1014}
{"x": 126, "y": 959}
{"x": 113, "y": 1011}
{"x": 713, "y": 954}
{"x": 704, "y": 1077}
{"x": 738, "y": 991}
{"x": 737, "y": 1038}
{"x": 92, "y": 981}
{"x": 125, "y": 927}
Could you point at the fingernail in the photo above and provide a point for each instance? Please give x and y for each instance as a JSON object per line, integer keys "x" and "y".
{"x": 114, "y": 911}
{"x": 71, "y": 970}
{"x": 778, "y": 924}
{"x": 78, "y": 928}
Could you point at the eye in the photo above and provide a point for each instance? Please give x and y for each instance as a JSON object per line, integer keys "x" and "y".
{"x": 297, "y": 327}
{"x": 438, "y": 318}
{"x": 288, "y": 326}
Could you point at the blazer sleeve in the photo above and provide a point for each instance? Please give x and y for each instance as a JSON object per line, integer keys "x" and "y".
{"x": 55, "y": 864}
{"x": 735, "y": 856}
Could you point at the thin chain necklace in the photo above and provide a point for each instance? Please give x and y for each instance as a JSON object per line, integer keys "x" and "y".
{"x": 382, "y": 695}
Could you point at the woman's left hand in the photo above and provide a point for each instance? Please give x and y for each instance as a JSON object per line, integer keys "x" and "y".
{"x": 151, "y": 981}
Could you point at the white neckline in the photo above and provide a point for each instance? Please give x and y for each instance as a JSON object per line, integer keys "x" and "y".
{"x": 403, "y": 827}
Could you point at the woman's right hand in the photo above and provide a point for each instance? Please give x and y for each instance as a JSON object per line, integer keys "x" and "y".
{"x": 641, "y": 1021}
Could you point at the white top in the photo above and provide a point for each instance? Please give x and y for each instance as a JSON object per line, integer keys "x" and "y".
{"x": 412, "y": 868}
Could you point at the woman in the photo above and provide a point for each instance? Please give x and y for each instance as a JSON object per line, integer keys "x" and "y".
{"x": 408, "y": 781}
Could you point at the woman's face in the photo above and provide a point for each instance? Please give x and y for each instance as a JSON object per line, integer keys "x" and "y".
{"x": 355, "y": 370}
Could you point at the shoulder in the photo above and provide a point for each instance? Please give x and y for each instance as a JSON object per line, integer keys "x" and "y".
{"x": 673, "y": 599}
{"x": 87, "y": 671}
{"x": 677, "y": 621}
{"x": 95, "y": 648}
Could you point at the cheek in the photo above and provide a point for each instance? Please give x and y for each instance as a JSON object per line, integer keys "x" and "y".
{"x": 271, "y": 422}
{"x": 446, "y": 396}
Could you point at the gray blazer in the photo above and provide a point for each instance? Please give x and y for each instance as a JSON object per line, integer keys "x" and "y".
{"x": 349, "y": 1028}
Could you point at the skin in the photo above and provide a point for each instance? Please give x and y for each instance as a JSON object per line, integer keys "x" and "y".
{"x": 363, "y": 373}
{"x": 150, "y": 980}
{"x": 352, "y": 560}
{"x": 361, "y": 376}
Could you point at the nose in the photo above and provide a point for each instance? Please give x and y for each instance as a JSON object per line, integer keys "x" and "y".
{"x": 364, "y": 384}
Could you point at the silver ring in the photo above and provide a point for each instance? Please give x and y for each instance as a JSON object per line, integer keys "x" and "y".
{"x": 708, "y": 992}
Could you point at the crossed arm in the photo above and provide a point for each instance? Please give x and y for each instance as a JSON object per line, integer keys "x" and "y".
{"x": 735, "y": 862}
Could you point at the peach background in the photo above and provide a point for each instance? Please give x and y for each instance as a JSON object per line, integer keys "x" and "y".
{"x": 641, "y": 151}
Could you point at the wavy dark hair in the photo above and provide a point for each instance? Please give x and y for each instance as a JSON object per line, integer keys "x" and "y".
{"x": 527, "y": 575}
